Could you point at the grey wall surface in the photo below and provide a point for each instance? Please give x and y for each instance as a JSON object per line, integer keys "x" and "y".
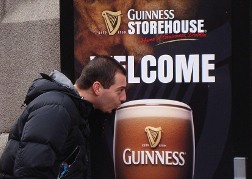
{"x": 29, "y": 44}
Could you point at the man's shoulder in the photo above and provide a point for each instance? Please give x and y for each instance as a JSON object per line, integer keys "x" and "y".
{"x": 56, "y": 103}
{"x": 54, "y": 98}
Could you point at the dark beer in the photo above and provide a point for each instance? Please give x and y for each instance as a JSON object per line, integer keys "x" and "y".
{"x": 154, "y": 139}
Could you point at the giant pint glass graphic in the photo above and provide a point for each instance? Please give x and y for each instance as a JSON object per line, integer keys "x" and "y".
{"x": 154, "y": 138}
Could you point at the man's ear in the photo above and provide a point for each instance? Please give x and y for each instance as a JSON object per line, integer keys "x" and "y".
{"x": 97, "y": 87}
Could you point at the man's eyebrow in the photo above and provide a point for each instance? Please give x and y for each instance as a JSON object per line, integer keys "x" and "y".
{"x": 122, "y": 87}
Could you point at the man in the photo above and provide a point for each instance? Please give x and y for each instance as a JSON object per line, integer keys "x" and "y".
{"x": 51, "y": 137}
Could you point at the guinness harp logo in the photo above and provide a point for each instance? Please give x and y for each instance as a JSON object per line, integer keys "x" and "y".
{"x": 154, "y": 135}
{"x": 112, "y": 21}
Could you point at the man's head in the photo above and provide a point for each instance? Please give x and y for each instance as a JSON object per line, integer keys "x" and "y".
{"x": 103, "y": 83}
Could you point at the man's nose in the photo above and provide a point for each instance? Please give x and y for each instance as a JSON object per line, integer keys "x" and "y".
{"x": 123, "y": 96}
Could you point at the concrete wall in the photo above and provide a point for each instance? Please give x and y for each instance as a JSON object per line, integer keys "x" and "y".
{"x": 29, "y": 44}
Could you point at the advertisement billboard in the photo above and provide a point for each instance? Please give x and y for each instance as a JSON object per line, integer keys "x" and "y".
{"x": 173, "y": 50}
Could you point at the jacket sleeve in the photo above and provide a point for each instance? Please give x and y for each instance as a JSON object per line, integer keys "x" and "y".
{"x": 43, "y": 136}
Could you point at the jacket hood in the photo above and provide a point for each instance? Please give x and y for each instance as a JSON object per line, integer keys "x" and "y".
{"x": 56, "y": 81}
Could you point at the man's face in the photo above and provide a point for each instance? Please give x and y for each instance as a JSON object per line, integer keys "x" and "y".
{"x": 112, "y": 97}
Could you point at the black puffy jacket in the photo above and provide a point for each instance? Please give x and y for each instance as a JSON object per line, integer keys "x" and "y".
{"x": 51, "y": 131}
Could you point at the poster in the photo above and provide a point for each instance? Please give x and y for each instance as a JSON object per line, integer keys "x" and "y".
{"x": 172, "y": 50}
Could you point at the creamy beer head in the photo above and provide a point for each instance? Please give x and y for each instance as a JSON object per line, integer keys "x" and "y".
{"x": 154, "y": 138}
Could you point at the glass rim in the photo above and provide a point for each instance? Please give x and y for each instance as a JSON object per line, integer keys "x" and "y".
{"x": 154, "y": 102}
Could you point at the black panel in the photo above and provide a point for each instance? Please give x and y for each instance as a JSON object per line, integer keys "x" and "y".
{"x": 66, "y": 38}
{"x": 241, "y": 78}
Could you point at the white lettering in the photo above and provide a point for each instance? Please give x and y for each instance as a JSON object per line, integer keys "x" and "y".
{"x": 127, "y": 162}
{"x": 171, "y": 158}
{"x": 145, "y": 68}
{"x": 206, "y": 67}
{"x": 186, "y": 69}
{"x": 166, "y": 27}
{"x": 180, "y": 68}
{"x": 131, "y": 71}
{"x": 165, "y": 68}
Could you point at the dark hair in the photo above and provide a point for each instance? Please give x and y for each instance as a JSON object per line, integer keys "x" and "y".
{"x": 102, "y": 69}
